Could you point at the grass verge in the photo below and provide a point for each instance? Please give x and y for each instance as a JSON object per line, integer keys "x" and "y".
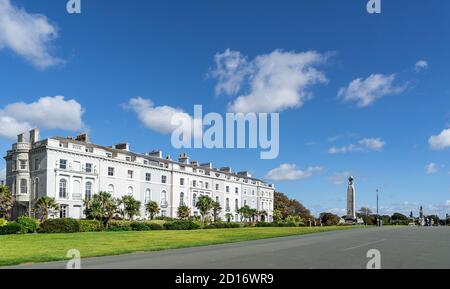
{"x": 36, "y": 248}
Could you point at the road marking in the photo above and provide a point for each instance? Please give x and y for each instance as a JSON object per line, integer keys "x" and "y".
{"x": 364, "y": 245}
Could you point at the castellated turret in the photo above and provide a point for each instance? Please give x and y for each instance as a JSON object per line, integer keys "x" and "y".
{"x": 18, "y": 172}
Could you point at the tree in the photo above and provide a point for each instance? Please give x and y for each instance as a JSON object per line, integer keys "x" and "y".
{"x": 102, "y": 207}
{"x": 216, "y": 210}
{"x": 329, "y": 219}
{"x": 228, "y": 217}
{"x": 184, "y": 212}
{"x": 254, "y": 214}
{"x": 277, "y": 217}
{"x": 263, "y": 214}
{"x": 6, "y": 201}
{"x": 290, "y": 207}
{"x": 204, "y": 205}
{"x": 246, "y": 212}
{"x": 365, "y": 211}
{"x": 152, "y": 208}
{"x": 385, "y": 219}
{"x": 46, "y": 206}
{"x": 398, "y": 218}
{"x": 436, "y": 220}
{"x": 131, "y": 207}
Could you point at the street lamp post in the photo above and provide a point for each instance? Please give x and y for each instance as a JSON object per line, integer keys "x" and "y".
{"x": 378, "y": 215}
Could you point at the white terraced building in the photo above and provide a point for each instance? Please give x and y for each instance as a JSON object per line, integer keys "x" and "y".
{"x": 72, "y": 169}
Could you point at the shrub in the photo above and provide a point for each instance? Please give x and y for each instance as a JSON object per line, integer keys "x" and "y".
{"x": 222, "y": 226}
{"x": 11, "y": 228}
{"x": 286, "y": 224}
{"x": 182, "y": 225}
{"x": 66, "y": 225}
{"x": 155, "y": 226}
{"x": 119, "y": 226}
{"x": 3, "y": 222}
{"x": 160, "y": 218}
{"x": 91, "y": 226}
{"x": 28, "y": 225}
{"x": 265, "y": 224}
{"x": 279, "y": 224}
{"x": 140, "y": 226}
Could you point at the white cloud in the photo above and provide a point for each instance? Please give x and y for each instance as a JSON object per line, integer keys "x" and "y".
{"x": 344, "y": 149}
{"x": 289, "y": 172}
{"x": 448, "y": 203}
{"x": 441, "y": 141}
{"x": 340, "y": 178}
{"x": 431, "y": 168}
{"x": 47, "y": 113}
{"x": 366, "y": 91}
{"x": 3, "y": 174}
{"x": 230, "y": 71}
{"x": 364, "y": 145}
{"x": 373, "y": 144}
{"x": 275, "y": 81}
{"x": 421, "y": 65}
{"x": 159, "y": 118}
{"x": 28, "y": 35}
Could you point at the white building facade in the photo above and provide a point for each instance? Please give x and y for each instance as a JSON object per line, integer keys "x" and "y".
{"x": 71, "y": 170}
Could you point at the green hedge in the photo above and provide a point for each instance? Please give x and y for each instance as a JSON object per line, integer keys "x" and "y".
{"x": 155, "y": 226}
{"x": 280, "y": 224}
{"x": 28, "y": 225}
{"x": 60, "y": 226}
{"x": 134, "y": 226}
{"x": 140, "y": 226}
{"x": 12, "y": 228}
{"x": 182, "y": 225}
{"x": 119, "y": 226}
{"x": 223, "y": 226}
{"x": 91, "y": 226}
{"x": 3, "y": 222}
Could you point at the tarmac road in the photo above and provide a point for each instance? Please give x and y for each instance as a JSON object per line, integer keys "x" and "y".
{"x": 400, "y": 247}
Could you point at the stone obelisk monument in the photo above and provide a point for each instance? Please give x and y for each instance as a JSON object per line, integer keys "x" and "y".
{"x": 351, "y": 206}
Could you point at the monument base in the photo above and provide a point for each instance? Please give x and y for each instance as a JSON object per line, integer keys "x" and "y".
{"x": 350, "y": 220}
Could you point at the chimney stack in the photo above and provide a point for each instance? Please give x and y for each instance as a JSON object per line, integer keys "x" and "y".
{"x": 156, "y": 153}
{"x": 226, "y": 170}
{"x": 34, "y": 135}
{"x": 83, "y": 138}
{"x": 123, "y": 146}
{"x": 184, "y": 158}
{"x": 21, "y": 138}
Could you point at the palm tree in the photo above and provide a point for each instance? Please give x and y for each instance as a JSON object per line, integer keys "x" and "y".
{"x": 253, "y": 213}
{"x": 204, "y": 204}
{"x": 6, "y": 201}
{"x": 131, "y": 207}
{"x": 216, "y": 210}
{"x": 46, "y": 205}
{"x": 246, "y": 212}
{"x": 184, "y": 212}
{"x": 152, "y": 208}
{"x": 102, "y": 207}
{"x": 229, "y": 217}
{"x": 263, "y": 213}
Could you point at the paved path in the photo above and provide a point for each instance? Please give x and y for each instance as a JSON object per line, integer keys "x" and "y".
{"x": 400, "y": 248}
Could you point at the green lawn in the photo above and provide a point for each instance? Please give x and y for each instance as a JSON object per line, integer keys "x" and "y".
{"x": 34, "y": 248}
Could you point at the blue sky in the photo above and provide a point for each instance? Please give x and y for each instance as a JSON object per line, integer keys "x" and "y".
{"x": 391, "y": 71}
